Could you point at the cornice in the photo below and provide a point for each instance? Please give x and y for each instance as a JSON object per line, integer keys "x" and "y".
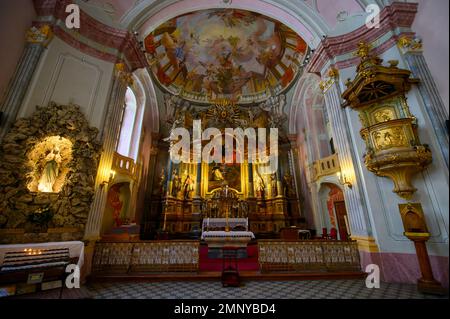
{"x": 121, "y": 40}
{"x": 397, "y": 15}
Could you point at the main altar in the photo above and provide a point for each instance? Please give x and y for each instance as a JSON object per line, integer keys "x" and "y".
{"x": 185, "y": 194}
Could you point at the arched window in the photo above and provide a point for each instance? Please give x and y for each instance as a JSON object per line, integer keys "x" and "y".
{"x": 130, "y": 126}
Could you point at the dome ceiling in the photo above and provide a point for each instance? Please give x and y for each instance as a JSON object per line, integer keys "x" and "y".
{"x": 224, "y": 53}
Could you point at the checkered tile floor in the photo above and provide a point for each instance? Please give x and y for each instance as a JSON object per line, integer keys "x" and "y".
{"x": 340, "y": 289}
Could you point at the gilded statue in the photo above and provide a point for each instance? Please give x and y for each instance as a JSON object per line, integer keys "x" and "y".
{"x": 51, "y": 171}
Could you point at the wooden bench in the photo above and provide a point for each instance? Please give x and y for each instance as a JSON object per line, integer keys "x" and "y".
{"x": 36, "y": 266}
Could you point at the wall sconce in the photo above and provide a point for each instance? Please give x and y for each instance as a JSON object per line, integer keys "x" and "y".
{"x": 112, "y": 175}
{"x": 343, "y": 180}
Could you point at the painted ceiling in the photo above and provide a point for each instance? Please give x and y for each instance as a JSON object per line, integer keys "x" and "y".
{"x": 225, "y": 53}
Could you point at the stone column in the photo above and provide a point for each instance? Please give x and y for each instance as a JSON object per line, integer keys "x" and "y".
{"x": 434, "y": 106}
{"x": 110, "y": 134}
{"x": 37, "y": 41}
{"x": 354, "y": 198}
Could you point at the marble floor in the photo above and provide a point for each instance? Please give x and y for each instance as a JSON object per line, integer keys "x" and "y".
{"x": 337, "y": 289}
{"x": 331, "y": 289}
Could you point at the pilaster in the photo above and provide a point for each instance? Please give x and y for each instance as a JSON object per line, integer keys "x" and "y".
{"x": 412, "y": 51}
{"x": 37, "y": 40}
{"x": 110, "y": 134}
{"x": 355, "y": 201}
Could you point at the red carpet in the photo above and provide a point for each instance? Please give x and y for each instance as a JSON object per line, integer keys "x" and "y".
{"x": 247, "y": 264}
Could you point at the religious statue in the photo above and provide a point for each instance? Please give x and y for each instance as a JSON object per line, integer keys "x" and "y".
{"x": 116, "y": 203}
{"x": 162, "y": 181}
{"x": 281, "y": 104}
{"x": 261, "y": 188}
{"x": 51, "y": 171}
{"x": 176, "y": 183}
{"x": 170, "y": 104}
{"x": 288, "y": 185}
{"x": 188, "y": 187}
{"x": 273, "y": 185}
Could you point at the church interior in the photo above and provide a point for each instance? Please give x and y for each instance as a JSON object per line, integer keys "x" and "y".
{"x": 96, "y": 95}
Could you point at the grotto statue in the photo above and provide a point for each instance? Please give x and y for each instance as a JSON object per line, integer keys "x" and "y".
{"x": 51, "y": 171}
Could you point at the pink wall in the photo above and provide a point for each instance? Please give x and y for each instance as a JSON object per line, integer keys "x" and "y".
{"x": 432, "y": 25}
{"x": 15, "y": 18}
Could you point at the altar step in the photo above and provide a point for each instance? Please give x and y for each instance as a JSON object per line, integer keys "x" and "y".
{"x": 216, "y": 276}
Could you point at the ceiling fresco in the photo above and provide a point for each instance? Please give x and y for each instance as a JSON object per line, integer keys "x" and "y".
{"x": 224, "y": 53}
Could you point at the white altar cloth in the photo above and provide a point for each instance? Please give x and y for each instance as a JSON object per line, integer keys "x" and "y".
{"x": 76, "y": 249}
{"x": 222, "y": 222}
{"x": 230, "y": 234}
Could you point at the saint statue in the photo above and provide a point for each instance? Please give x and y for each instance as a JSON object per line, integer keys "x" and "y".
{"x": 288, "y": 185}
{"x": 51, "y": 171}
{"x": 162, "y": 181}
{"x": 261, "y": 188}
{"x": 176, "y": 183}
{"x": 170, "y": 104}
{"x": 273, "y": 185}
{"x": 188, "y": 187}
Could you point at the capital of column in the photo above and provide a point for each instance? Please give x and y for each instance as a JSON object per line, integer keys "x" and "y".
{"x": 332, "y": 75}
{"x": 122, "y": 74}
{"x": 408, "y": 44}
{"x": 42, "y": 35}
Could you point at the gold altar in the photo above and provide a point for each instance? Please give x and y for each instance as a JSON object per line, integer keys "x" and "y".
{"x": 182, "y": 193}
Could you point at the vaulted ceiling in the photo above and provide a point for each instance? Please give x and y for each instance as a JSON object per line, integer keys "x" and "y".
{"x": 225, "y": 53}
{"x": 320, "y": 15}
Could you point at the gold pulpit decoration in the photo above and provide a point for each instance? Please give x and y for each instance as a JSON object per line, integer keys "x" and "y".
{"x": 389, "y": 130}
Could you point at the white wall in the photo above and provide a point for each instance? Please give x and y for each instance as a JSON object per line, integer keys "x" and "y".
{"x": 15, "y": 19}
{"x": 432, "y": 25}
{"x": 66, "y": 75}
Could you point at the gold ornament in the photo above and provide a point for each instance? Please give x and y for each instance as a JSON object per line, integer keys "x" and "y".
{"x": 123, "y": 75}
{"x": 42, "y": 35}
{"x": 389, "y": 130}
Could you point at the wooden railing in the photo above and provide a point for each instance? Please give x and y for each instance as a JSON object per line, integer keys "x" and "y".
{"x": 124, "y": 165}
{"x": 183, "y": 256}
{"x": 150, "y": 257}
{"x": 318, "y": 255}
{"x": 325, "y": 167}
